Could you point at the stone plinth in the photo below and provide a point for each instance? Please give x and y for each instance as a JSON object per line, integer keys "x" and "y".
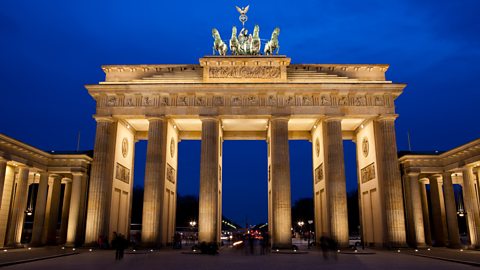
{"x": 236, "y": 69}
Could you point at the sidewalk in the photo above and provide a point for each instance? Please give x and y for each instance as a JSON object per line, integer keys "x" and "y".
{"x": 469, "y": 257}
{"x": 23, "y": 255}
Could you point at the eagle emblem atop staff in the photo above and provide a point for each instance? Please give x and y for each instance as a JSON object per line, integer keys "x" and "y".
{"x": 243, "y": 14}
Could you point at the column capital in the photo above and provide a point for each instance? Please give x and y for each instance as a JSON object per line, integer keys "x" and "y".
{"x": 387, "y": 117}
{"x": 155, "y": 118}
{"x": 80, "y": 174}
{"x": 331, "y": 118}
{"x": 467, "y": 167}
{"x": 209, "y": 118}
{"x": 413, "y": 174}
{"x": 104, "y": 118}
{"x": 280, "y": 117}
{"x": 55, "y": 176}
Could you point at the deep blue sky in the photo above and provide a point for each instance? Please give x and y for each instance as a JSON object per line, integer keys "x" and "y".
{"x": 50, "y": 49}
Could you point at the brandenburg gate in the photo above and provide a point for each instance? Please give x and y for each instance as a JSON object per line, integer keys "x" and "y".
{"x": 246, "y": 97}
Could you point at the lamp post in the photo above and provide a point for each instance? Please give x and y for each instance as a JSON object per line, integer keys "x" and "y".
{"x": 192, "y": 224}
{"x": 300, "y": 224}
{"x": 310, "y": 222}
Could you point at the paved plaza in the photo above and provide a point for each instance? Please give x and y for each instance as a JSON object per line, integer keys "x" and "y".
{"x": 236, "y": 259}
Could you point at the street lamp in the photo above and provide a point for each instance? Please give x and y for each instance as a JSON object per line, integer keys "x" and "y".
{"x": 192, "y": 224}
{"x": 300, "y": 224}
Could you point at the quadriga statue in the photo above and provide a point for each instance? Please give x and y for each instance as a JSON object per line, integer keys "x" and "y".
{"x": 218, "y": 44}
{"x": 272, "y": 45}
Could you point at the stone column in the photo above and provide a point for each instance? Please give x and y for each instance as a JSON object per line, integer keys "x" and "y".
{"x": 3, "y": 170}
{"x": 451, "y": 211}
{"x": 436, "y": 196}
{"x": 40, "y": 207}
{"x": 65, "y": 211}
{"x": 389, "y": 180}
{"x": 6, "y": 201}
{"x": 471, "y": 207}
{"x": 51, "y": 230}
{"x": 154, "y": 182}
{"x": 416, "y": 209}
{"x": 100, "y": 189}
{"x": 74, "y": 217}
{"x": 425, "y": 213}
{"x": 280, "y": 171}
{"x": 335, "y": 180}
{"x": 19, "y": 207}
{"x": 208, "y": 216}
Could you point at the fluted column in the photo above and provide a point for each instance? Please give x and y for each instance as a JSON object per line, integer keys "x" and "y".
{"x": 451, "y": 211}
{"x": 471, "y": 207}
{"x": 74, "y": 217}
{"x": 154, "y": 182}
{"x": 389, "y": 180}
{"x": 416, "y": 209}
{"x": 208, "y": 216}
{"x": 65, "y": 211}
{"x": 438, "y": 208}
{"x": 335, "y": 180}
{"x": 6, "y": 201}
{"x": 425, "y": 213}
{"x": 100, "y": 189}
{"x": 19, "y": 206}
{"x": 40, "y": 207}
{"x": 280, "y": 171}
{"x": 51, "y": 232}
{"x": 3, "y": 170}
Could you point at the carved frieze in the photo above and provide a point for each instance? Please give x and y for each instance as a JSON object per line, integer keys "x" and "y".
{"x": 247, "y": 72}
{"x": 182, "y": 101}
{"x": 325, "y": 100}
{"x": 164, "y": 101}
{"x": 343, "y": 101}
{"x": 218, "y": 101}
{"x": 290, "y": 100}
{"x": 238, "y": 100}
{"x": 307, "y": 100}
{"x": 360, "y": 101}
{"x": 147, "y": 101}
{"x": 129, "y": 102}
{"x": 368, "y": 173}
{"x": 171, "y": 175}
{"x": 122, "y": 173}
{"x": 272, "y": 100}
{"x": 111, "y": 101}
{"x": 319, "y": 173}
{"x": 200, "y": 101}
{"x": 252, "y": 100}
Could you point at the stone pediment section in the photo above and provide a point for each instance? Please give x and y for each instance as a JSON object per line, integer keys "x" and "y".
{"x": 245, "y": 69}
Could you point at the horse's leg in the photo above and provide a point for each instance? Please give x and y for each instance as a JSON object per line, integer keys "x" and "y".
{"x": 278, "y": 49}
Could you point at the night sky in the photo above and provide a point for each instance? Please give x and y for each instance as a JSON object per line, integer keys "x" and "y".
{"x": 50, "y": 49}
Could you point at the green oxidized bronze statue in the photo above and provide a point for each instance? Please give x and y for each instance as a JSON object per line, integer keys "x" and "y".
{"x": 218, "y": 44}
{"x": 272, "y": 45}
{"x": 244, "y": 43}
